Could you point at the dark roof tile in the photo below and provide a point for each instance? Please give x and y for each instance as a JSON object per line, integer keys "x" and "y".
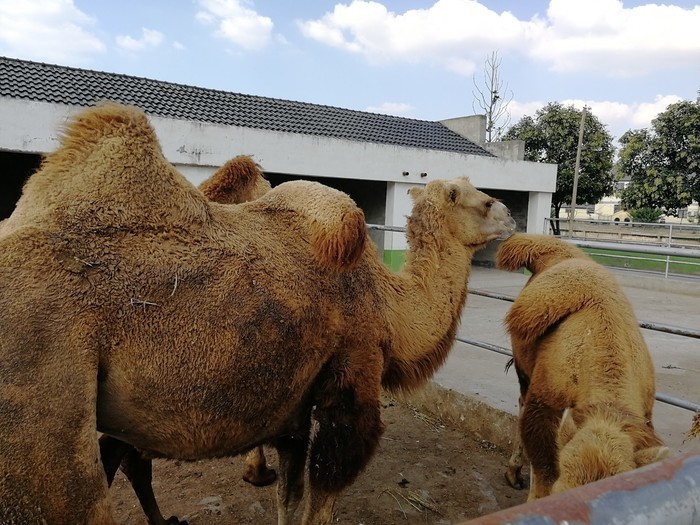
{"x": 81, "y": 87}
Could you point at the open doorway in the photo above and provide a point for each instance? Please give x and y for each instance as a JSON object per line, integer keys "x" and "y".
{"x": 15, "y": 169}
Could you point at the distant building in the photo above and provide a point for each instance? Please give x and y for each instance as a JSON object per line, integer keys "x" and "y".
{"x": 374, "y": 158}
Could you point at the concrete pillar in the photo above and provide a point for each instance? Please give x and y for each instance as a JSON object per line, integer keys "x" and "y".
{"x": 398, "y": 207}
{"x": 539, "y": 205}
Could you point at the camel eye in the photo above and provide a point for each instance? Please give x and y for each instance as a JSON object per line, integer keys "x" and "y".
{"x": 489, "y": 204}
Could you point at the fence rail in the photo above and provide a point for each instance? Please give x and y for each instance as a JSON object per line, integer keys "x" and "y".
{"x": 604, "y": 238}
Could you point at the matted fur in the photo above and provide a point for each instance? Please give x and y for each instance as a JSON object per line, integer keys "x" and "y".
{"x": 133, "y": 305}
{"x": 238, "y": 180}
{"x": 577, "y": 345}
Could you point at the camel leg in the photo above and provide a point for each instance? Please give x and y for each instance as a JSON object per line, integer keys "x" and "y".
{"x": 292, "y": 452}
{"x": 139, "y": 471}
{"x": 516, "y": 461}
{"x": 256, "y": 471}
{"x": 349, "y": 427}
{"x": 538, "y": 429}
{"x": 112, "y": 451}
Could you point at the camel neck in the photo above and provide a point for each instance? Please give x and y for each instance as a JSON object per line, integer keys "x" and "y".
{"x": 428, "y": 296}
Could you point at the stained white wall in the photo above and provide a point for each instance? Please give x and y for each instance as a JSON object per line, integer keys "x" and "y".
{"x": 197, "y": 148}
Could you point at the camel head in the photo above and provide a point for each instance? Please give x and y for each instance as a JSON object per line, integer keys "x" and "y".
{"x": 471, "y": 215}
{"x": 535, "y": 252}
{"x": 601, "y": 446}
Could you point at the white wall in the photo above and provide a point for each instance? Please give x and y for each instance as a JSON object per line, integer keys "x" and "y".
{"x": 198, "y": 148}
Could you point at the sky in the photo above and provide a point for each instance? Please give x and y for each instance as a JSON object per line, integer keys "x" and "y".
{"x": 422, "y": 59}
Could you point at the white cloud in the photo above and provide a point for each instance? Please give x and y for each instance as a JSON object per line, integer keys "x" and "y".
{"x": 392, "y": 108}
{"x": 150, "y": 38}
{"x": 236, "y": 23}
{"x": 603, "y": 36}
{"x": 454, "y": 34}
{"x": 599, "y": 36}
{"x": 50, "y": 30}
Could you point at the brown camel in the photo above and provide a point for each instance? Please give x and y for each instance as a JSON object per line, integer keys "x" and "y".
{"x": 239, "y": 180}
{"x": 586, "y": 378}
{"x": 191, "y": 329}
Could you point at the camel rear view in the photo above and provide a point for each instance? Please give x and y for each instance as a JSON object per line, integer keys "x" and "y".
{"x": 586, "y": 377}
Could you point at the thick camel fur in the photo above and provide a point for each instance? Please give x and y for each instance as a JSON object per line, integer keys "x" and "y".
{"x": 586, "y": 377}
{"x": 239, "y": 180}
{"x": 191, "y": 329}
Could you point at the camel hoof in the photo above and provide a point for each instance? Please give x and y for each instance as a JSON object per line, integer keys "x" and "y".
{"x": 260, "y": 477}
{"x": 174, "y": 520}
{"x": 515, "y": 478}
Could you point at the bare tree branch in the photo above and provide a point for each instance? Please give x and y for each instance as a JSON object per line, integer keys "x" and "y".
{"x": 493, "y": 98}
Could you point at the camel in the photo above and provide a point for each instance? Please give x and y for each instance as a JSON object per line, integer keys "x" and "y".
{"x": 587, "y": 380}
{"x": 239, "y": 180}
{"x": 190, "y": 329}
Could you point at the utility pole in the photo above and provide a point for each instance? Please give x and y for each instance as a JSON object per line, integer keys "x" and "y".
{"x": 572, "y": 211}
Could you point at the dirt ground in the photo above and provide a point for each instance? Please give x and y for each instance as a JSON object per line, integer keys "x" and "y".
{"x": 423, "y": 473}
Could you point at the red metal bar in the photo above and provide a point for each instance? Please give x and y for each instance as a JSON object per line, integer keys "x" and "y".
{"x": 664, "y": 493}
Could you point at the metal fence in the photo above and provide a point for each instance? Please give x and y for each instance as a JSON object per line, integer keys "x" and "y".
{"x": 668, "y": 246}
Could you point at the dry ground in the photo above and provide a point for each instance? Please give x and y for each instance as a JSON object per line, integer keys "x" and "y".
{"x": 423, "y": 473}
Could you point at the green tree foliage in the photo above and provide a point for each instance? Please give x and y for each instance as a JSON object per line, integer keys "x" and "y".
{"x": 663, "y": 164}
{"x": 552, "y": 136}
{"x": 645, "y": 214}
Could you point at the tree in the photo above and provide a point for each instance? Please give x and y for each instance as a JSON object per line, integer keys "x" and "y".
{"x": 663, "y": 164}
{"x": 493, "y": 98}
{"x": 552, "y": 136}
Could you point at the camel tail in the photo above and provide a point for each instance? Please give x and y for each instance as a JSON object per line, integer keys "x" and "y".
{"x": 550, "y": 296}
{"x": 523, "y": 250}
{"x": 238, "y": 180}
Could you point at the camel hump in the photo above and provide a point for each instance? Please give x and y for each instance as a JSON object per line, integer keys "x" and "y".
{"x": 92, "y": 125}
{"x": 534, "y": 252}
{"x": 338, "y": 228}
{"x": 239, "y": 180}
{"x": 550, "y": 296}
{"x": 109, "y": 170}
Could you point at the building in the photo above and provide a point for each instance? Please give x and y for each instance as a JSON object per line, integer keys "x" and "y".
{"x": 374, "y": 158}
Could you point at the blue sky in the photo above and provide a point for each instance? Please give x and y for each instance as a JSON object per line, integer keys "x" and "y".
{"x": 416, "y": 58}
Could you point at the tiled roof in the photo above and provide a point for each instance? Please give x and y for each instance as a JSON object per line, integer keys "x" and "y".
{"x": 81, "y": 87}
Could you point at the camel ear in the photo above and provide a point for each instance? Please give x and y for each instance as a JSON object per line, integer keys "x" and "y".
{"x": 650, "y": 455}
{"x": 567, "y": 428}
{"x": 415, "y": 192}
{"x": 454, "y": 194}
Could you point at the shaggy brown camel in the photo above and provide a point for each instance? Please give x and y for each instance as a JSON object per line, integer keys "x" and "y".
{"x": 239, "y": 180}
{"x": 587, "y": 381}
{"x": 133, "y": 305}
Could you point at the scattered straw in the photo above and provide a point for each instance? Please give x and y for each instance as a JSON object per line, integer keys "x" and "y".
{"x": 144, "y": 304}
{"x": 435, "y": 424}
{"x": 391, "y": 493}
{"x": 415, "y": 500}
{"x": 421, "y": 503}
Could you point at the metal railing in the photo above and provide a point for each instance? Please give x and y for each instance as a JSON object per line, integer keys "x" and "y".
{"x": 662, "y": 493}
{"x": 666, "y": 240}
